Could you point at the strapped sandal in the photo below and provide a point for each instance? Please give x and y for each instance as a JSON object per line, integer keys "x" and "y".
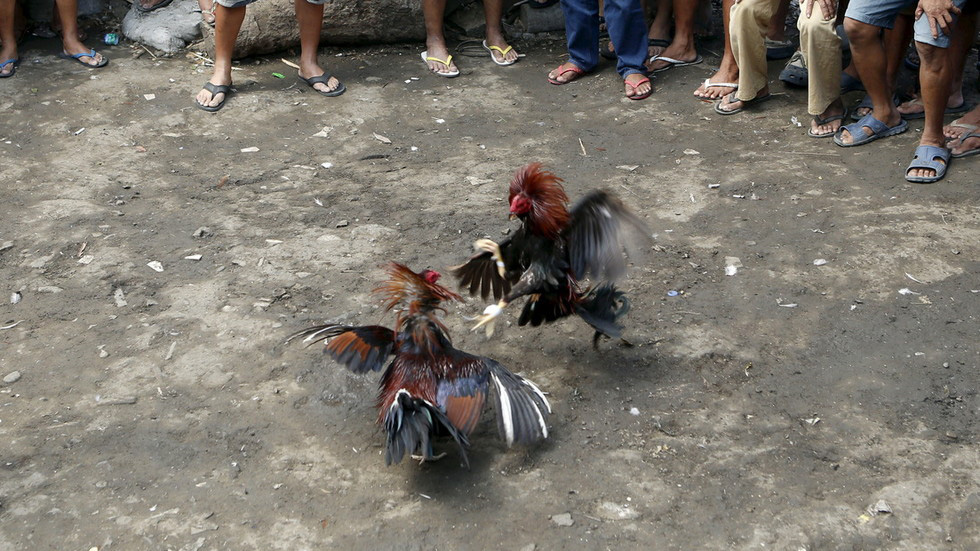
{"x": 926, "y": 157}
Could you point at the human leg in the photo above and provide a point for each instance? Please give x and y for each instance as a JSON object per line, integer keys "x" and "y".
{"x": 863, "y": 23}
{"x": 628, "y": 31}
{"x": 228, "y": 21}
{"x": 658, "y": 36}
{"x": 821, "y": 48}
{"x": 682, "y": 46}
{"x": 501, "y": 51}
{"x": 70, "y": 41}
{"x": 435, "y": 40}
{"x": 749, "y": 19}
{"x": 581, "y": 33}
{"x": 725, "y": 80}
{"x": 8, "y": 48}
{"x": 309, "y": 17}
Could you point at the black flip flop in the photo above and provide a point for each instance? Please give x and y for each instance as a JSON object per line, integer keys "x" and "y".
{"x": 324, "y": 79}
{"x": 215, "y": 89}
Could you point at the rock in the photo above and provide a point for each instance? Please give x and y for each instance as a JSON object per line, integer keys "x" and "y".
{"x": 168, "y": 29}
{"x": 7, "y": 245}
{"x": 270, "y": 26}
{"x": 12, "y": 377}
{"x": 563, "y": 519}
{"x": 202, "y": 232}
{"x": 49, "y": 289}
{"x": 613, "y": 511}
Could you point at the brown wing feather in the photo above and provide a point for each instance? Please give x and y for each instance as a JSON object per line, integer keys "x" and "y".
{"x": 362, "y": 349}
{"x": 464, "y": 411}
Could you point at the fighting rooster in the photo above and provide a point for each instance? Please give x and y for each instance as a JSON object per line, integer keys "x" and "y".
{"x": 554, "y": 249}
{"x": 430, "y": 388}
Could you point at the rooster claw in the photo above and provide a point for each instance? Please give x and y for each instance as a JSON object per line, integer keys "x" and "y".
{"x": 487, "y": 320}
{"x": 422, "y": 459}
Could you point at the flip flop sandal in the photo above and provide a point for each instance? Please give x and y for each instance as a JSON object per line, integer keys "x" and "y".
{"x": 141, "y": 9}
{"x": 926, "y": 157}
{"x": 90, "y": 53}
{"x": 822, "y": 121}
{"x": 503, "y": 53}
{"x": 324, "y": 79}
{"x": 13, "y": 62}
{"x": 708, "y": 84}
{"x": 866, "y": 103}
{"x": 636, "y": 85}
{"x": 215, "y": 89}
{"x": 562, "y": 72}
{"x": 673, "y": 62}
{"x": 861, "y": 137}
{"x": 745, "y": 103}
{"x": 426, "y": 58}
{"x": 961, "y": 108}
{"x": 969, "y": 153}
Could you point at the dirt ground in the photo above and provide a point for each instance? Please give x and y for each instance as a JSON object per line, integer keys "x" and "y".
{"x": 786, "y": 406}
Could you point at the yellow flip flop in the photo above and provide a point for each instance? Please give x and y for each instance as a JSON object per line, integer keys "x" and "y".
{"x": 427, "y": 58}
{"x": 503, "y": 54}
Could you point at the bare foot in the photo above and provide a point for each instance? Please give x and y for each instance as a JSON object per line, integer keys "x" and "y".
{"x": 718, "y": 86}
{"x": 890, "y": 122}
{"x": 915, "y": 107}
{"x": 438, "y": 50}
{"x": 960, "y": 147}
{"x": 207, "y": 11}
{"x": 681, "y": 53}
{"x": 826, "y": 124}
{"x": 637, "y": 86}
{"x": 205, "y": 98}
{"x": 500, "y": 45}
{"x": 6, "y": 53}
{"x": 315, "y": 70}
{"x": 566, "y": 72}
{"x": 730, "y": 104}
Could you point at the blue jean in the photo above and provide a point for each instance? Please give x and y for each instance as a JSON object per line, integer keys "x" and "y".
{"x": 627, "y": 31}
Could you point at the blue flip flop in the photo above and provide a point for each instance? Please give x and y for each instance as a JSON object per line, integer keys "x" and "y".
{"x": 926, "y": 157}
{"x": 90, "y": 53}
{"x": 15, "y": 62}
{"x": 878, "y": 130}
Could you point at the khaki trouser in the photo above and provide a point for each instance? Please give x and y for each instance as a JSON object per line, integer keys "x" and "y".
{"x": 820, "y": 45}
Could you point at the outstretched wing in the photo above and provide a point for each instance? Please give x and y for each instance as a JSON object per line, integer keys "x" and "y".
{"x": 360, "y": 349}
{"x": 481, "y": 276}
{"x": 600, "y": 229}
{"x": 521, "y": 406}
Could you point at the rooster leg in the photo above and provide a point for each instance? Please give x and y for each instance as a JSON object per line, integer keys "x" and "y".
{"x": 488, "y": 317}
{"x": 494, "y": 249}
{"x": 422, "y": 459}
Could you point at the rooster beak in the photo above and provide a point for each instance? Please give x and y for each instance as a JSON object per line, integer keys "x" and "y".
{"x": 512, "y": 217}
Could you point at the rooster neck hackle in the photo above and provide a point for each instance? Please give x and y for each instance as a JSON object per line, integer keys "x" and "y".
{"x": 540, "y": 200}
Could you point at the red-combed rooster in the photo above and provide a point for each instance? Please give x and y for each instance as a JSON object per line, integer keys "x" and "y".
{"x": 429, "y": 387}
{"x": 553, "y": 250}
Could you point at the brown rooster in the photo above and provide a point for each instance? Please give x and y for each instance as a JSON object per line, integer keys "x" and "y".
{"x": 430, "y": 388}
{"x": 554, "y": 249}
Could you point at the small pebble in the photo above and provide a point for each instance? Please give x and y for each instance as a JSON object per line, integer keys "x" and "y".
{"x": 564, "y": 519}
{"x": 12, "y": 377}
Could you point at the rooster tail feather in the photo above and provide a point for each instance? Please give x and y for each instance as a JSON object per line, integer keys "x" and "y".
{"x": 521, "y": 407}
{"x": 410, "y": 424}
{"x": 602, "y": 307}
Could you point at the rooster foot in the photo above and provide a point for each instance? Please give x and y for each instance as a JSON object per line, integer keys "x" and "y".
{"x": 494, "y": 249}
{"x": 422, "y": 459}
{"x": 488, "y": 317}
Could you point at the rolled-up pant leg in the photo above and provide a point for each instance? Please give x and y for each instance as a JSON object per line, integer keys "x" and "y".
{"x": 821, "y": 49}
{"x": 747, "y": 31}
